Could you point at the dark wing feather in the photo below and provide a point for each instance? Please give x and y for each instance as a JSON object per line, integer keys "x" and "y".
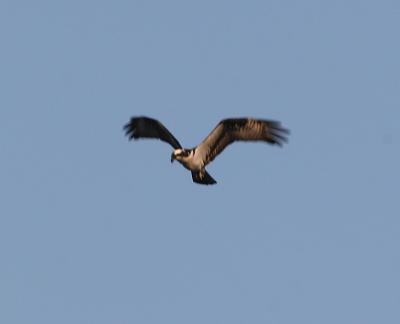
{"x": 145, "y": 127}
{"x": 240, "y": 129}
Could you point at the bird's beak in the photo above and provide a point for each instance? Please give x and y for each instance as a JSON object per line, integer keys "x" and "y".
{"x": 172, "y": 157}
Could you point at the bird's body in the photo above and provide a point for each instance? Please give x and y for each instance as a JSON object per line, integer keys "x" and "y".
{"x": 226, "y": 132}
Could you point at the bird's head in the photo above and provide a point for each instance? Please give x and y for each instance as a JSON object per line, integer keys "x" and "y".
{"x": 179, "y": 154}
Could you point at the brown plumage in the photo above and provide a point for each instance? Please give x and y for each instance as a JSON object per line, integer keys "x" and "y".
{"x": 240, "y": 129}
{"x": 226, "y": 132}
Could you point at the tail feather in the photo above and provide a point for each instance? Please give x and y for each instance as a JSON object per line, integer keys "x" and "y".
{"x": 202, "y": 177}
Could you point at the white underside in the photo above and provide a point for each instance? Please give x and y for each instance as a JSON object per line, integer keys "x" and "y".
{"x": 191, "y": 162}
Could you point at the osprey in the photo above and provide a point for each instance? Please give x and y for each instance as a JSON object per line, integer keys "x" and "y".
{"x": 226, "y": 132}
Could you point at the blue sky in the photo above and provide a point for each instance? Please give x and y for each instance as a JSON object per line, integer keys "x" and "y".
{"x": 96, "y": 229}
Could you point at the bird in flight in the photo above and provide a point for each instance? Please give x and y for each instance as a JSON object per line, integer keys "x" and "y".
{"x": 226, "y": 132}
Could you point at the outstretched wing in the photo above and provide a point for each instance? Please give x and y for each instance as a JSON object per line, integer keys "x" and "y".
{"x": 239, "y": 129}
{"x": 145, "y": 127}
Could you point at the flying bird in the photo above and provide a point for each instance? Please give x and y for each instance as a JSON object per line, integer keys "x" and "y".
{"x": 226, "y": 132}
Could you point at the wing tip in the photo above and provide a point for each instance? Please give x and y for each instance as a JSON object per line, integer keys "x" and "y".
{"x": 130, "y": 129}
{"x": 278, "y": 139}
{"x": 276, "y": 133}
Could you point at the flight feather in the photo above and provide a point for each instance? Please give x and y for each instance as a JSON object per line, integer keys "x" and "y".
{"x": 145, "y": 127}
{"x": 240, "y": 129}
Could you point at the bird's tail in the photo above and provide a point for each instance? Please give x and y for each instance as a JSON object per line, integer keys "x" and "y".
{"x": 202, "y": 177}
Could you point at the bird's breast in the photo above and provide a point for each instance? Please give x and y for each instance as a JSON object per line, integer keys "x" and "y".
{"x": 191, "y": 164}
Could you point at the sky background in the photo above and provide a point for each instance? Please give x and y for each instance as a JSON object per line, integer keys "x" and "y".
{"x": 96, "y": 229}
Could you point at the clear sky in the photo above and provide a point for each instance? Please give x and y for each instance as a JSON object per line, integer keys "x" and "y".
{"x": 96, "y": 229}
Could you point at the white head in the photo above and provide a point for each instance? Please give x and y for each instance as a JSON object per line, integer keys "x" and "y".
{"x": 179, "y": 154}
